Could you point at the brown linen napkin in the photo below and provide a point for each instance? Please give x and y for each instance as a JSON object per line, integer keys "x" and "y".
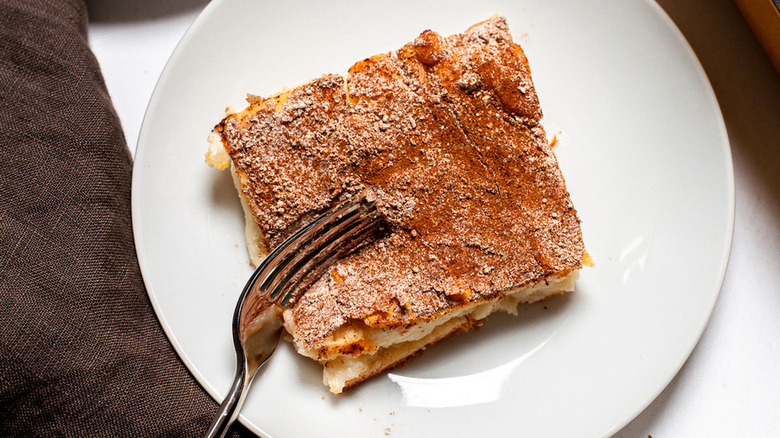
{"x": 81, "y": 352}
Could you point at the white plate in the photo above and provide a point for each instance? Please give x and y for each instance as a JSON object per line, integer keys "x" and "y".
{"x": 645, "y": 156}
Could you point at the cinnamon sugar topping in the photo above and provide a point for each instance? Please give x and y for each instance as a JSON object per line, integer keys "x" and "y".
{"x": 446, "y": 132}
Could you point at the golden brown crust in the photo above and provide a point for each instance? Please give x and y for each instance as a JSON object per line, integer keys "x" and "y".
{"x": 447, "y": 133}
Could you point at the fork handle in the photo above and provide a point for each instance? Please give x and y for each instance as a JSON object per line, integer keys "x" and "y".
{"x": 231, "y": 405}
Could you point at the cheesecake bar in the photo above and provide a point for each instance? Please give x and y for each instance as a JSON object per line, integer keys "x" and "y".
{"x": 446, "y": 133}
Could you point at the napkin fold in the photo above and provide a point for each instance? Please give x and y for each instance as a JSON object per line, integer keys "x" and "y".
{"x": 81, "y": 351}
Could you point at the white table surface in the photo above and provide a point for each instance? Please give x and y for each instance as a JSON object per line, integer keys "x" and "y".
{"x": 730, "y": 385}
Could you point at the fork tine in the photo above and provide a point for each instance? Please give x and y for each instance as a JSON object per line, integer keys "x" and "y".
{"x": 297, "y": 255}
{"x": 287, "y": 250}
{"x": 314, "y": 240}
{"x": 325, "y": 250}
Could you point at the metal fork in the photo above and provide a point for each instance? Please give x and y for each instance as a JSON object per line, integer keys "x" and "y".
{"x": 288, "y": 270}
